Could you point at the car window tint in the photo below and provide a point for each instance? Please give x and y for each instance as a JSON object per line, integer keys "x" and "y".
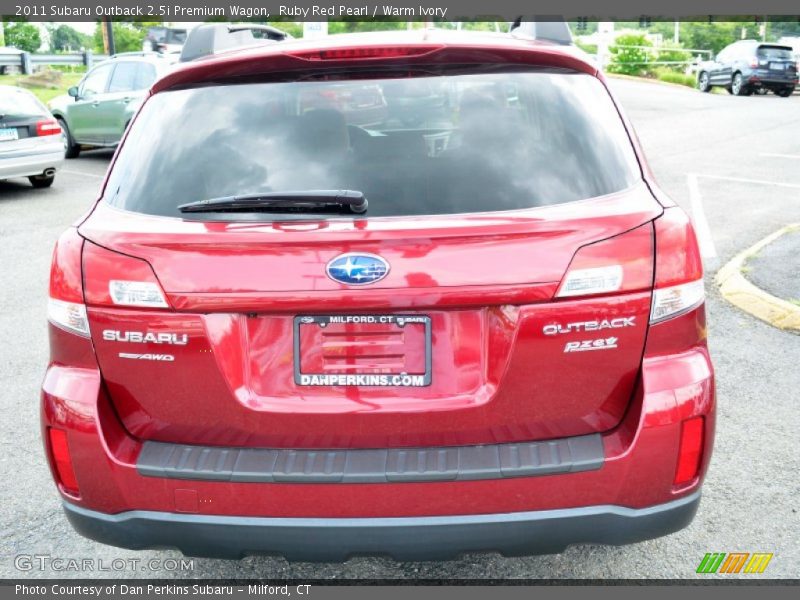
{"x": 423, "y": 145}
{"x": 95, "y": 82}
{"x": 19, "y": 103}
{"x": 145, "y": 76}
{"x": 124, "y": 77}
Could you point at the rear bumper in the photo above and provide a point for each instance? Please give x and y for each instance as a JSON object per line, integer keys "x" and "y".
{"x": 33, "y": 163}
{"x": 409, "y": 538}
{"x": 258, "y": 501}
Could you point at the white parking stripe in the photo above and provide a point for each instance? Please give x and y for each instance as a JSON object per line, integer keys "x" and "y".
{"x": 790, "y": 156}
{"x": 701, "y": 228}
{"x": 754, "y": 181}
{"x": 82, "y": 173}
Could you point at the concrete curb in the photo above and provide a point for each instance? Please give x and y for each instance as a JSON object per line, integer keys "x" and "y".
{"x": 737, "y": 290}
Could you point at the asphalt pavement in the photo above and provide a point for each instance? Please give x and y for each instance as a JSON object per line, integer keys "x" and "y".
{"x": 776, "y": 269}
{"x": 732, "y": 162}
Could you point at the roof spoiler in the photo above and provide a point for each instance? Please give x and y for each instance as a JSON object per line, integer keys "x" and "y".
{"x": 212, "y": 38}
{"x": 548, "y": 29}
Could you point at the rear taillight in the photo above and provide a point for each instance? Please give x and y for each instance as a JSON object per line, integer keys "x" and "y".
{"x": 753, "y": 63}
{"x": 65, "y": 307}
{"x": 48, "y": 127}
{"x": 114, "y": 279}
{"x": 62, "y": 461}
{"x": 623, "y": 263}
{"x": 678, "y": 284}
{"x": 365, "y": 52}
{"x": 690, "y": 450}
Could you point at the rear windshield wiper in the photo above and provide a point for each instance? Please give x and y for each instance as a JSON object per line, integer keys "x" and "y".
{"x": 309, "y": 200}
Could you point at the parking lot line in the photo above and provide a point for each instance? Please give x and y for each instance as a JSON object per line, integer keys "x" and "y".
{"x": 703, "y": 231}
{"x": 789, "y": 156}
{"x": 754, "y": 181}
{"x": 82, "y": 173}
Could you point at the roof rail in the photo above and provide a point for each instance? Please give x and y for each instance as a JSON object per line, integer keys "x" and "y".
{"x": 120, "y": 54}
{"x": 211, "y": 38}
{"x": 545, "y": 28}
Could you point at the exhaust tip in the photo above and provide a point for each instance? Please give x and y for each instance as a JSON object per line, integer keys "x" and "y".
{"x": 49, "y": 172}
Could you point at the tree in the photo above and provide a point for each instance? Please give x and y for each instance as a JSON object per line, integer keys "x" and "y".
{"x": 23, "y": 36}
{"x": 628, "y": 60}
{"x": 67, "y": 39}
{"x": 128, "y": 37}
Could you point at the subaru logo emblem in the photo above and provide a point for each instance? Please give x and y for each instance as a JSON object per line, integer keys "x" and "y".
{"x": 357, "y": 268}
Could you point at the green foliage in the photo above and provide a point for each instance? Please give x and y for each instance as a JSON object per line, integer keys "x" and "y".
{"x": 22, "y": 36}
{"x": 128, "y": 37}
{"x": 67, "y": 39}
{"x": 356, "y": 26}
{"x": 588, "y": 48}
{"x": 627, "y": 60}
{"x": 673, "y": 54}
{"x": 679, "y": 78}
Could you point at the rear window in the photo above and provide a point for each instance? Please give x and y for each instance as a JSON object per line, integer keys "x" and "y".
{"x": 19, "y": 103}
{"x": 414, "y": 145}
{"x": 774, "y": 53}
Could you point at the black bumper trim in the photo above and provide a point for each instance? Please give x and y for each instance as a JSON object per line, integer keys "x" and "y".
{"x": 397, "y": 465}
{"x": 404, "y": 538}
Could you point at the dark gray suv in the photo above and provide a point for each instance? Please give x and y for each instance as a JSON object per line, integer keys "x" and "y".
{"x": 749, "y": 65}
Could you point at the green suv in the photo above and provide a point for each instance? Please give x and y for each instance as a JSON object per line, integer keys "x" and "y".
{"x": 98, "y": 110}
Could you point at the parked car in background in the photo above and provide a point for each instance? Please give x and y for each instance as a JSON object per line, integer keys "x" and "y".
{"x": 97, "y": 111}
{"x": 31, "y": 142}
{"x": 291, "y": 324}
{"x": 165, "y": 40}
{"x": 749, "y": 65}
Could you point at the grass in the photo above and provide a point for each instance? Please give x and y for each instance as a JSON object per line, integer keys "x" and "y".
{"x": 679, "y": 78}
{"x": 43, "y": 93}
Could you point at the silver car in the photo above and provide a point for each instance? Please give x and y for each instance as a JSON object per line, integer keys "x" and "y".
{"x": 31, "y": 141}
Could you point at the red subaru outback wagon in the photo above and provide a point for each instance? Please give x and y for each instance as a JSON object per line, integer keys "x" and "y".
{"x": 414, "y": 295}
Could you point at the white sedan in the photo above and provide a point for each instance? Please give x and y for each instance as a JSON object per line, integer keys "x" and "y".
{"x": 31, "y": 141}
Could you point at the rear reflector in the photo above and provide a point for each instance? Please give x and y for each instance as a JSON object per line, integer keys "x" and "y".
{"x": 68, "y": 315}
{"x": 362, "y": 52}
{"x": 48, "y": 127}
{"x": 690, "y": 450}
{"x": 673, "y": 301}
{"x": 136, "y": 293}
{"x": 62, "y": 461}
{"x": 623, "y": 263}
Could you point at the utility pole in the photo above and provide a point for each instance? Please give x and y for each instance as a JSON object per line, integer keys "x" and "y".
{"x": 108, "y": 37}
{"x": 677, "y": 35}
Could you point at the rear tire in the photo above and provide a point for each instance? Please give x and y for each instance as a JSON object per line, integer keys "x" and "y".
{"x": 738, "y": 88}
{"x": 42, "y": 181}
{"x": 71, "y": 149}
{"x": 785, "y": 92}
{"x": 703, "y": 82}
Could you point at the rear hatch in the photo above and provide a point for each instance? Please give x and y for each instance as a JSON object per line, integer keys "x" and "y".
{"x": 777, "y": 62}
{"x": 509, "y": 267}
{"x": 25, "y": 124}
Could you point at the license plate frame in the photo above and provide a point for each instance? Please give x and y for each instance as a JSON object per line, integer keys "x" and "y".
{"x": 361, "y": 380}
{"x": 9, "y": 134}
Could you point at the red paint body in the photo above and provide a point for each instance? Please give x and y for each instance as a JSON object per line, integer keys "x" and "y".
{"x": 234, "y": 289}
